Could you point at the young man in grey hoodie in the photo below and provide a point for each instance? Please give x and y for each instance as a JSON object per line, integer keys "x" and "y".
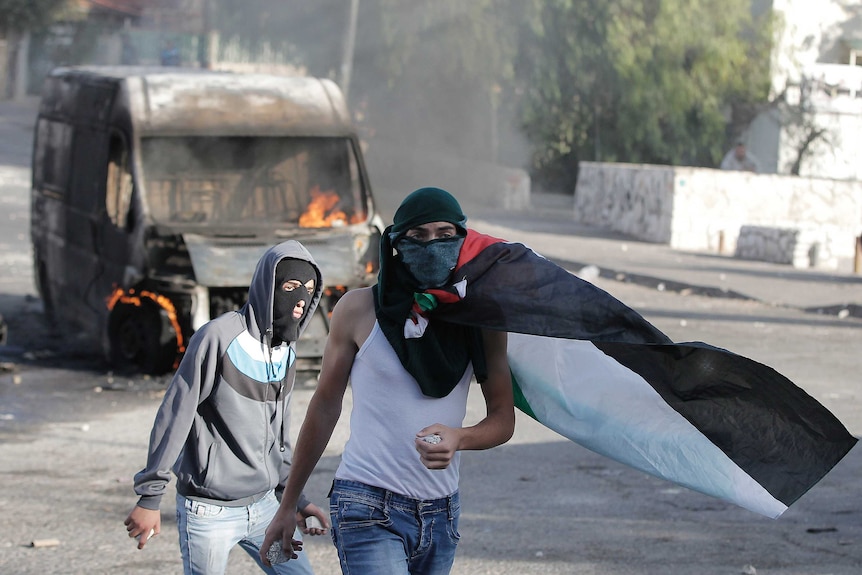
{"x": 223, "y": 425}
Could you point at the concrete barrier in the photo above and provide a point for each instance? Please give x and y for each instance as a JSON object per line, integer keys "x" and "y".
{"x": 702, "y": 209}
{"x": 794, "y": 246}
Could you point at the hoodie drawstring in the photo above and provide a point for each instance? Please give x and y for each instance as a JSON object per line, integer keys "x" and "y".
{"x": 271, "y": 375}
{"x": 283, "y": 420}
{"x": 270, "y": 367}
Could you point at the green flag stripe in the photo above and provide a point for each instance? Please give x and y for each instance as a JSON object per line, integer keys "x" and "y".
{"x": 520, "y": 400}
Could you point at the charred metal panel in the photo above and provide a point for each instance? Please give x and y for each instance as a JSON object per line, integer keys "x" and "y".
{"x": 340, "y": 255}
{"x": 85, "y": 195}
{"x": 85, "y": 98}
{"x": 232, "y": 104}
{"x": 222, "y": 265}
{"x": 337, "y": 253}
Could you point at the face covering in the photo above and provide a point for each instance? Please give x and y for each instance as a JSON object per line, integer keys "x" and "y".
{"x": 292, "y": 285}
{"x": 430, "y": 263}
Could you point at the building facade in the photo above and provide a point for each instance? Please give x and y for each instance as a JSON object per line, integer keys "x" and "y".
{"x": 816, "y": 129}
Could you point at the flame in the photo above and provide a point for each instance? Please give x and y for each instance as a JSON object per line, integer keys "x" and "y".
{"x": 121, "y": 296}
{"x": 369, "y": 267}
{"x": 336, "y": 291}
{"x": 333, "y": 294}
{"x": 323, "y": 211}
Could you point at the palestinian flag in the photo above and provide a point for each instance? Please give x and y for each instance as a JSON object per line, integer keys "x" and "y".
{"x": 595, "y": 371}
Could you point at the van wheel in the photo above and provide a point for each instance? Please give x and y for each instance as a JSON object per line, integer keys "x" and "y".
{"x": 141, "y": 339}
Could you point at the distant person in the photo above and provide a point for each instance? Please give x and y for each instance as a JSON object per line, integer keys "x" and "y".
{"x": 170, "y": 55}
{"x": 739, "y": 158}
{"x": 394, "y": 502}
{"x": 223, "y": 425}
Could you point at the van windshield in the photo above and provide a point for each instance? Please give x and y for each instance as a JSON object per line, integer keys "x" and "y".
{"x": 242, "y": 181}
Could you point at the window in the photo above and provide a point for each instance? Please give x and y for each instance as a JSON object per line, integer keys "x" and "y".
{"x": 118, "y": 192}
{"x": 51, "y": 161}
{"x": 304, "y": 181}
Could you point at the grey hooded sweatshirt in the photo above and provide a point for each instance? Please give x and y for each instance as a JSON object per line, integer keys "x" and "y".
{"x": 223, "y": 425}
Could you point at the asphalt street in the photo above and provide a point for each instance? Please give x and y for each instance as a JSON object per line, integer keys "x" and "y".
{"x": 72, "y": 434}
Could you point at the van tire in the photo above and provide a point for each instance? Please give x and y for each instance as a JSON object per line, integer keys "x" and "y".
{"x": 141, "y": 339}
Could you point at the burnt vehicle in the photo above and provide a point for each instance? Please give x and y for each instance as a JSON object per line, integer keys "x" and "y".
{"x": 155, "y": 191}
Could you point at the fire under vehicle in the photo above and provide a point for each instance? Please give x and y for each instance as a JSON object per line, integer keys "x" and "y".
{"x": 155, "y": 191}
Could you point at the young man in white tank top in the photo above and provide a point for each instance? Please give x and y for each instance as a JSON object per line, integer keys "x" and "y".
{"x": 395, "y": 504}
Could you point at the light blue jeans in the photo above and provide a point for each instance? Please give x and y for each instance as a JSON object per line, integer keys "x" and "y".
{"x": 380, "y": 532}
{"x": 208, "y": 532}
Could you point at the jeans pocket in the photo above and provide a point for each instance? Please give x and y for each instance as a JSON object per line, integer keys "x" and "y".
{"x": 454, "y": 535}
{"x": 203, "y": 510}
{"x": 454, "y": 516}
{"x": 354, "y": 513}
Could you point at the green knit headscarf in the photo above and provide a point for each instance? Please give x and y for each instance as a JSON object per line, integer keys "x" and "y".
{"x": 428, "y": 205}
{"x": 436, "y": 360}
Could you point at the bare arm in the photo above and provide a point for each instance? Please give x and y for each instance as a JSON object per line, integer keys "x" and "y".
{"x": 324, "y": 409}
{"x": 499, "y": 423}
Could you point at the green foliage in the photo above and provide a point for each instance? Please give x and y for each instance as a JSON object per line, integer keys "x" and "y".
{"x": 636, "y": 80}
{"x": 23, "y": 15}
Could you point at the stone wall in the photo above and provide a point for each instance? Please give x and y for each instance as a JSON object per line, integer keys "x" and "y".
{"x": 702, "y": 209}
{"x": 633, "y": 199}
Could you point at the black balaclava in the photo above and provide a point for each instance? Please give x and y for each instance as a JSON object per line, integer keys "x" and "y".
{"x": 438, "y": 358}
{"x": 285, "y": 327}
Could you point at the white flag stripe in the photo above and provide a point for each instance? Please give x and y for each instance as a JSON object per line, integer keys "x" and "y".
{"x": 585, "y": 395}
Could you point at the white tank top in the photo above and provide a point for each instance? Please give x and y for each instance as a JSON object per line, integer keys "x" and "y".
{"x": 389, "y": 410}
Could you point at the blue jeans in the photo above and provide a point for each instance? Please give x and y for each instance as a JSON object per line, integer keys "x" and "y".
{"x": 380, "y": 532}
{"x": 208, "y": 532}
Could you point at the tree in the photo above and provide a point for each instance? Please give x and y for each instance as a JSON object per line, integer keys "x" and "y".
{"x": 23, "y": 15}
{"x": 562, "y": 68}
{"x": 801, "y": 125}
{"x": 635, "y": 81}
{"x": 17, "y": 19}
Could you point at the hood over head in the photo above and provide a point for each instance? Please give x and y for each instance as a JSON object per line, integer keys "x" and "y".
{"x": 261, "y": 292}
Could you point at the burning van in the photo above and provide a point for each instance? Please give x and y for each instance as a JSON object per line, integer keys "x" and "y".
{"x": 155, "y": 191}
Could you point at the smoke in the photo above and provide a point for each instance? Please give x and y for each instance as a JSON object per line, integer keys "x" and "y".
{"x": 420, "y": 93}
